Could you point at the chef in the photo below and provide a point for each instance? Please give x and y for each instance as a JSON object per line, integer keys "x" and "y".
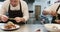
{"x": 16, "y": 9}
{"x": 54, "y": 10}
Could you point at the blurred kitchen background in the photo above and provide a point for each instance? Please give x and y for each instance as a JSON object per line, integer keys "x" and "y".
{"x": 35, "y": 10}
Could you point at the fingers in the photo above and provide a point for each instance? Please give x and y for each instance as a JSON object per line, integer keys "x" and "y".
{"x": 4, "y": 18}
{"x": 18, "y": 19}
{"x": 58, "y": 21}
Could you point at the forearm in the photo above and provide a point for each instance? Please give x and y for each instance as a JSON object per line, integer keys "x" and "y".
{"x": 26, "y": 17}
{"x": 0, "y": 16}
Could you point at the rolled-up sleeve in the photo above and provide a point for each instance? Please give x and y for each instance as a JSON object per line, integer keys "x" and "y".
{"x": 25, "y": 11}
{"x": 51, "y": 8}
{"x": 4, "y": 8}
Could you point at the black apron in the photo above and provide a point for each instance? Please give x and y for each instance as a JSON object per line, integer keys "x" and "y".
{"x": 54, "y": 17}
{"x": 15, "y": 13}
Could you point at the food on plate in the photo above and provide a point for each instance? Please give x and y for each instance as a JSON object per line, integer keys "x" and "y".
{"x": 9, "y": 25}
{"x": 54, "y": 27}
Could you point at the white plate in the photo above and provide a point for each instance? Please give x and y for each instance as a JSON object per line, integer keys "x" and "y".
{"x": 2, "y": 27}
{"x": 49, "y": 27}
{"x": 2, "y": 24}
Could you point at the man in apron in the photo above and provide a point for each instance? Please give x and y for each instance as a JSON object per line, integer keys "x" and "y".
{"x": 17, "y": 9}
{"x": 54, "y": 10}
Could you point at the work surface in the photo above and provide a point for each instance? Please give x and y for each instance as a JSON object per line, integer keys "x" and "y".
{"x": 28, "y": 28}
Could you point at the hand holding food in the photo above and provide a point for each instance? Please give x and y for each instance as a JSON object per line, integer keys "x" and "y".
{"x": 19, "y": 19}
{"x": 4, "y": 18}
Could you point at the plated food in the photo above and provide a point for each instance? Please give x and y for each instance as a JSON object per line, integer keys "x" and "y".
{"x": 54, "y": 27}
{"x": 10, "y": 26}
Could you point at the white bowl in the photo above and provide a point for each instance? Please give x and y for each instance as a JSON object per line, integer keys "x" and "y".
{"x": 52, "y": 27}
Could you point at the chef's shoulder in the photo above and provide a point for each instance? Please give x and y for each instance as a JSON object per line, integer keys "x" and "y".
{"x": 23, "y": 2}
{"x": 5, "y": 4}
{"x": 52, "y": 6}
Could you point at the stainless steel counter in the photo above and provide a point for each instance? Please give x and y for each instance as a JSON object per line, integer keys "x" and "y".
{"x": 28, "y": 28}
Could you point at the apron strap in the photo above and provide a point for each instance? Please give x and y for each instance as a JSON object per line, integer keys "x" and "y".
{"x": 58, "y": 8}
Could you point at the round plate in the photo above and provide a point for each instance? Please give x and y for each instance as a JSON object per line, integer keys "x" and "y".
{"x": 17, "y": 27}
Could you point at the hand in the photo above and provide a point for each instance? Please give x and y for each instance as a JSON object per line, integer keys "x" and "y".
{"x": 45, "y": 13}
{"x": 58, "y": 21}
{"x": 53, "y": 13}
{"x": 4, "y": 18}
{"x": 18, "y": 19}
